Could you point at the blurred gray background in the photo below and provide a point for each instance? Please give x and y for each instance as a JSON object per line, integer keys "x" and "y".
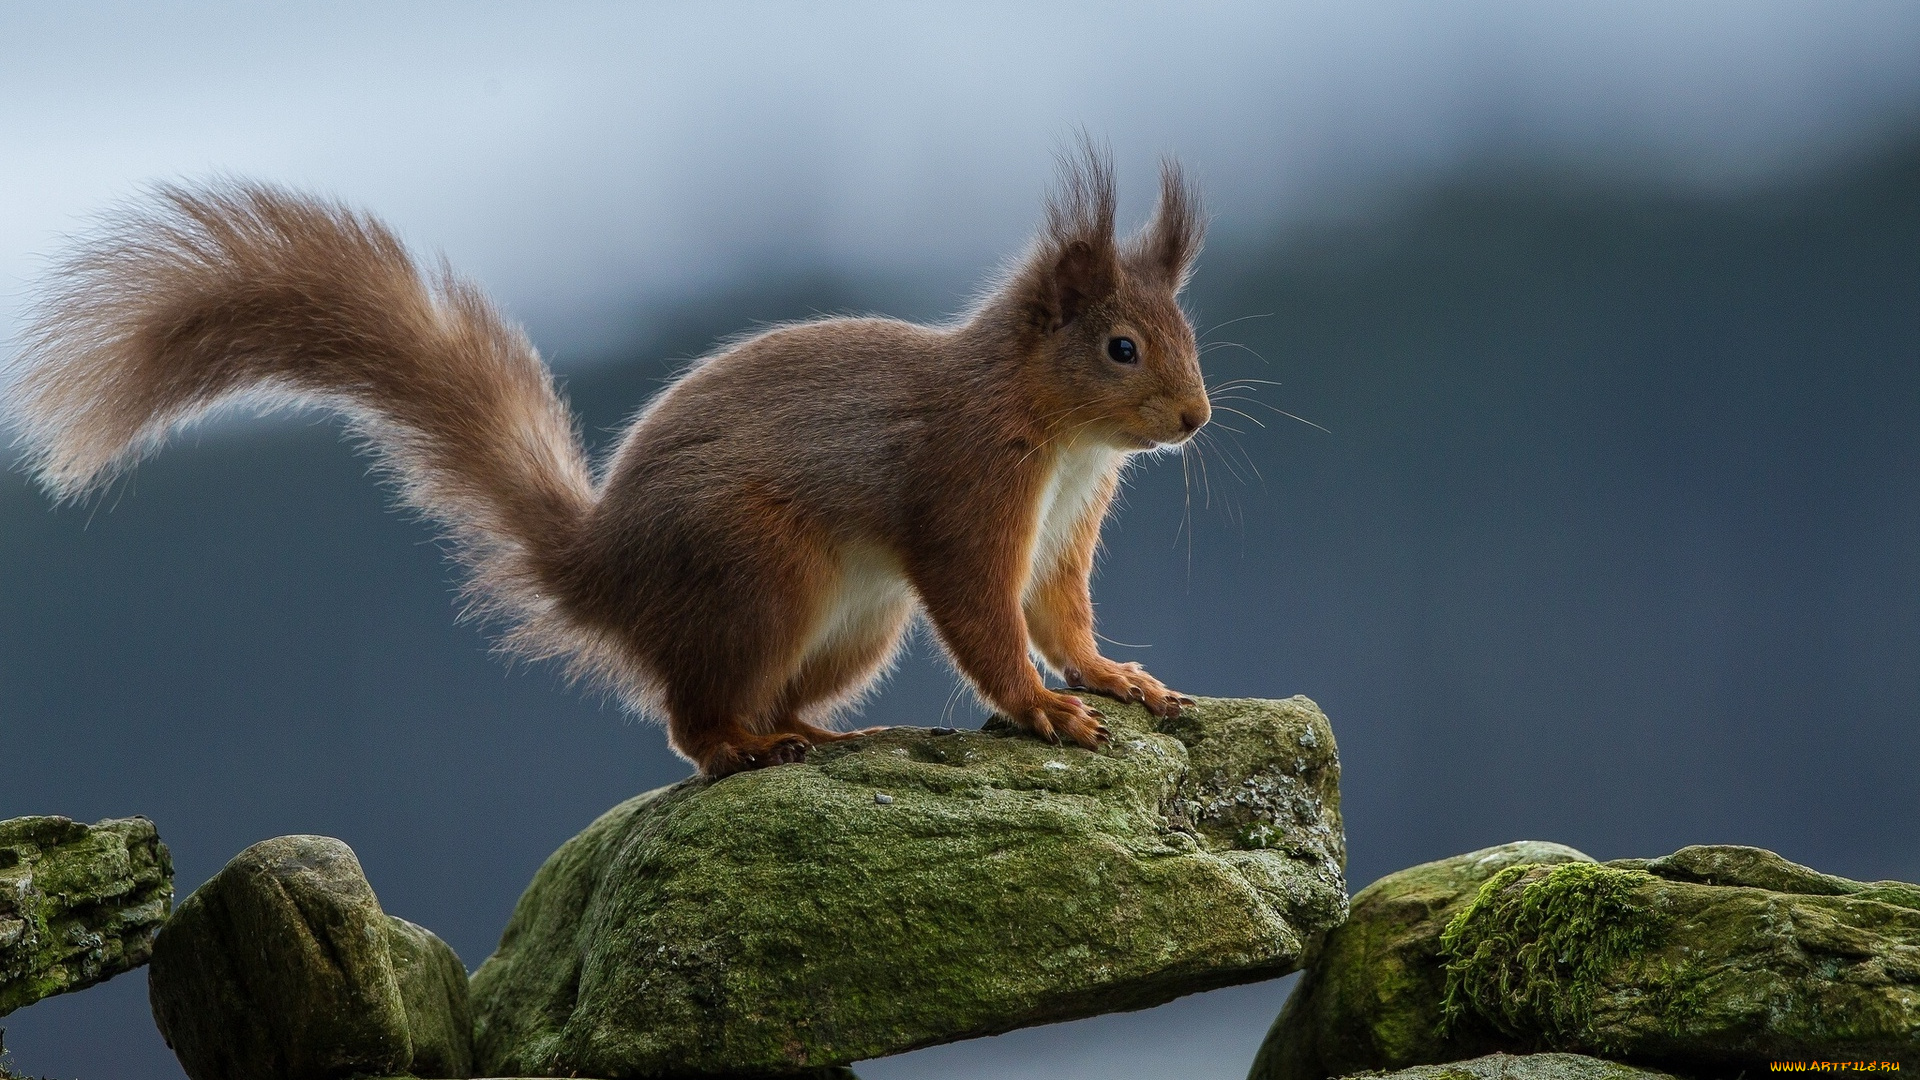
{"x": 1610, "y": 313}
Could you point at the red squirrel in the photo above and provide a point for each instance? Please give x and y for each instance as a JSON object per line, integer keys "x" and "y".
{"x": 753, "y": 552}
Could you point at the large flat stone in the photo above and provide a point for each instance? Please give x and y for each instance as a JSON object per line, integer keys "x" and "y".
{"x": 911, "y": 888}
{"x": 79, "y": 904}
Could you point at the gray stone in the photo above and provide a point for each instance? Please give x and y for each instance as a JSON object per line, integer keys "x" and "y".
{"x": 1525, "y": 1067}
{"x": 784, "y": 919}
{"x": 79, "y": 904}
{"x": 1371, "y": 995}
{"x": 283, "y": 966}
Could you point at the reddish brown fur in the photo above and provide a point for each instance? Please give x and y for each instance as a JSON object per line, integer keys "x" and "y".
{"x": 766, "y": 528}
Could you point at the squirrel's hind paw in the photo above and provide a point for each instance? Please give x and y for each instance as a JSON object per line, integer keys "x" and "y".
{"x": 754, "y": 752}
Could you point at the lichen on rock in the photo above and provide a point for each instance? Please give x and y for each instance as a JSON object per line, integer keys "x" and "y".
{"x": 910, "y": 888}
{"x": 79, "y": 903}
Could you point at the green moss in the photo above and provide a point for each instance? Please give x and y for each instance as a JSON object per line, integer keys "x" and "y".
{"x": 1678, "y": 998}
{"x": 78, "y": 903}
{"x": 1709, "y": 961}
{"x": 1528, "y": 954}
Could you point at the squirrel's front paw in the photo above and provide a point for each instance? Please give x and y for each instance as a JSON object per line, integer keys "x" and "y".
{"x": 1056, "y": 717}
{"x": 1128, "y": 682}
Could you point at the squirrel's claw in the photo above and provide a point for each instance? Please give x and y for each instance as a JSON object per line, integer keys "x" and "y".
{"x": 1059, "y": 718}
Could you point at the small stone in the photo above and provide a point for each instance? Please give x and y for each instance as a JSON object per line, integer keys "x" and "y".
{"x": 883, "y": 800}
{"x": 941, "y": 731}
{"x": 79, "y": 904}
{"x": 283, "y": 967}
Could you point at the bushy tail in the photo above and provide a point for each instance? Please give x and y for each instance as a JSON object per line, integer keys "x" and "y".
{"x": 247, "y": 292}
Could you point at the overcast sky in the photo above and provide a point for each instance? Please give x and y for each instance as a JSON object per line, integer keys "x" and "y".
{"x": 582, "y": 159}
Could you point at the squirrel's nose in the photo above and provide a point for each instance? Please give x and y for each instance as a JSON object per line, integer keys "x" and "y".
{"x": 1191, "y": 418}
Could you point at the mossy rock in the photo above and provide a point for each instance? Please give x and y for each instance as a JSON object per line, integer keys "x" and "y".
{"x": 1525, "y": 1067}
{"x": 79, "y": 904}
{"x": 283, "y": 967}
{"x": 1711, "y": 961}
{"x": 1714, "y": 958}
{"x": 1371, "y": 996}
{"x": 916, "y": 887}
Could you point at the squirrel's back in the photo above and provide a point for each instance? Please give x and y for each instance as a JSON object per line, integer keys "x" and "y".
{"x": 829, "y": 414}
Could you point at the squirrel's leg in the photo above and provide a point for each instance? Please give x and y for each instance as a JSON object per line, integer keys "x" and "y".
{"x": 1059, "y": 611}
{"x": 736, "y": 643}
{"x": 842, "y": 668}
{"x": 971, "y": 587}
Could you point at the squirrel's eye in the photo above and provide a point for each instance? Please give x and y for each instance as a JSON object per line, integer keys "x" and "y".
{"x": 1123, "y": 350}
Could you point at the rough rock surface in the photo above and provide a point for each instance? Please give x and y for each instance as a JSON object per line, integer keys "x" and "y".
{"x": 433, "y": 990}
{"x": 1371, "y": 995}
{"x": 1713, "y": 960}
{"x": 915, "y": 887}
{"x": 78, "y": 903}
{"x": 1525, "y": 1067}
{"x": 283, "y": 966}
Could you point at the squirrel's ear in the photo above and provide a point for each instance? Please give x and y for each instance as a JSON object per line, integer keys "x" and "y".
{"x": 1083, "y": 275}
{"x": 1080, "y": 266}
{"x": 1166, "y": 248}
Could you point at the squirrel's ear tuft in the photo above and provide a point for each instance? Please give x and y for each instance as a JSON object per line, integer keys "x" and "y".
{"x": 1166, "y": 248}
{"x": 1079, "y": 262}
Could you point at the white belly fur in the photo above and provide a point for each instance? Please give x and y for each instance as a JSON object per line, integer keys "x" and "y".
{"x": 872, "y": 590}
{"x": 873, "y": 587}
{"x": 1077, "y": 476}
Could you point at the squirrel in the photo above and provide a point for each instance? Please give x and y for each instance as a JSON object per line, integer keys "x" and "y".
{"x": 749, "y": 559}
